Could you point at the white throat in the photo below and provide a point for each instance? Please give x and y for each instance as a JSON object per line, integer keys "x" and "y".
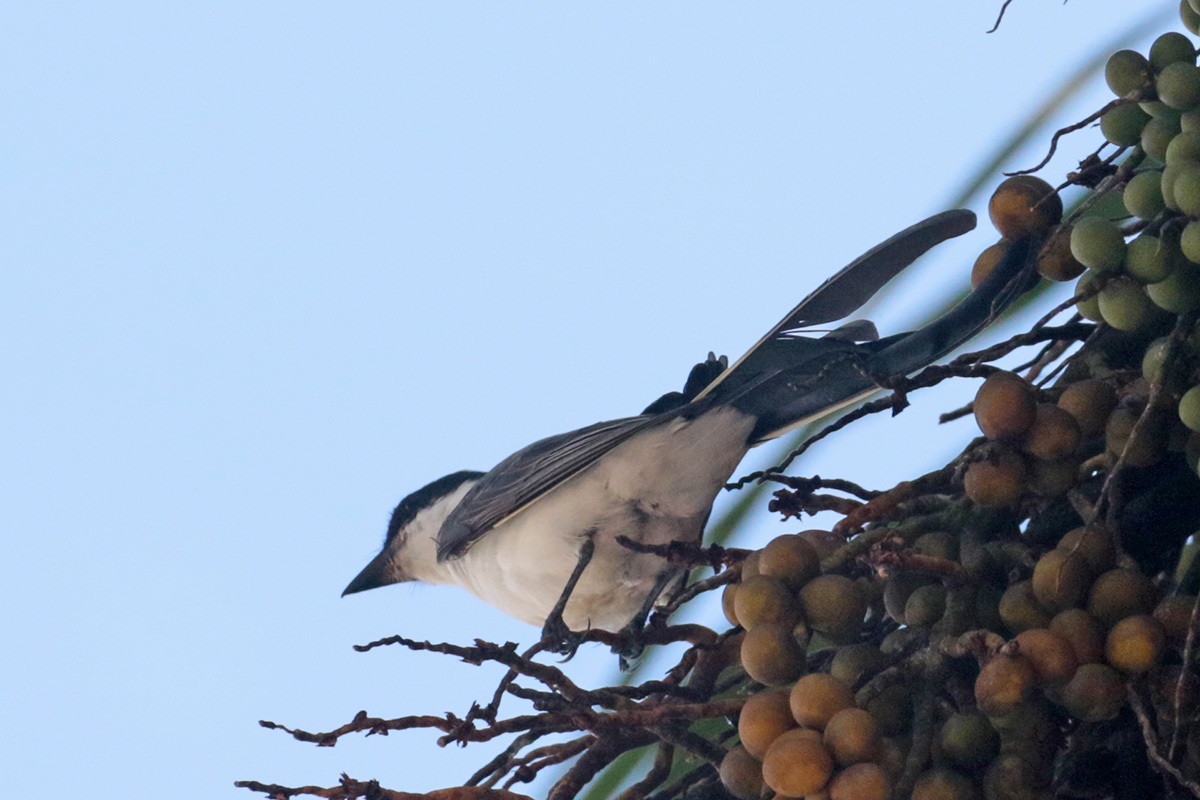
{"x": 417, "y": 560}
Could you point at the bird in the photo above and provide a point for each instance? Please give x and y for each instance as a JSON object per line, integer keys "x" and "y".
{"x": 538, "y": 535}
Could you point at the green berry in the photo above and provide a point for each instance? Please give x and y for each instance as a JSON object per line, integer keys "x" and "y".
{"x": 1190, "y": 17}
{"x": 1157, "y": 136}
{"x": 1179, "y": 85}
{"x": 1155, "y": 358}
{"x": 1124, "y": 305}
{"x": 1187, "y": 190}
{"x": 1189, "y": 408}
{"x": 1127, "y": 73}
{"x": 1189, "y": 242}
{"x": 1184, "y": 148}
{"x": 1168, "y": 185}
{"x": 1089, "y": 308}
{"x": 1097, "y": 243}
{"x": 1170, "y": 48}
{"x": 1157, "y": 109}
{"x": 1123, "y": 125}
{"x": 1143, "y": 195}
{"x": 1150, "y": 259}
{"x": 1179, "y": 293}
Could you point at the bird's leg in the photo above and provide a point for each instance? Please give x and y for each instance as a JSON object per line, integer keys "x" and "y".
{"x": 556, "y": 636}
{"x": 629, "y": 644}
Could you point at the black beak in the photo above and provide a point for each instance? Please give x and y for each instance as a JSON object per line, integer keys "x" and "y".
{"x": 373, "y": 575}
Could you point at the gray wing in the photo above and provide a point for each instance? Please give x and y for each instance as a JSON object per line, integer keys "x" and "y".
{"x": 528, "y": 474}
{"x": 855, "y": 284}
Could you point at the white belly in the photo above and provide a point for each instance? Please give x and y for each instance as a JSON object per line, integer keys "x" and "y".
{"x": 655, "y": 488}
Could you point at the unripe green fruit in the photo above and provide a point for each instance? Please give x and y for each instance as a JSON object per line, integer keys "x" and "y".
{"x": 1149, "y": 259}
{"x": 1170, "y": 48}
{"x": 1124, "y": 305}
{"x": 1189, "y": 408}
{"x": 1156, "y": 109}
{"x": 1179, "y": 86}
{"x": 892, "y": 708}
{"x": 969, "y": 740}
{"x": 1127, "y": 73}
{"x": 1189, "y": 242}
{"x": 1095, "y": 693}
{"x": 1158, "y": 133}
{"x": 1097, "y": 243}
{"x": 938, "y": 544}
{"x": 1155, "y": 359}
{"x": 1184, "y": 148}
{"x": 1088, "y": 308}
{"x": 1187, "y": 189}
{"x": 1020, "y": 609}
{"x": 1143, "y": 195}
{"x": 944, "y": 784}
{"x": 1053, "y": 478}
{"x": 925, "y": 605}
{"x": 1123, "y": 125}
{"x": 1180, "y": 292}
{"x": 1168, "y": 185}
{"x": 853, "y": 661}
{"x": 1190, "y": 17}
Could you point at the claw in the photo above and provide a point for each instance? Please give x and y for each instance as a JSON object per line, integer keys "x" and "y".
{"x": 556, "y": 636}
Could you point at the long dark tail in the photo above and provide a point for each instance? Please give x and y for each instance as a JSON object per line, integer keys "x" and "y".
{"x": 788, "y": 379}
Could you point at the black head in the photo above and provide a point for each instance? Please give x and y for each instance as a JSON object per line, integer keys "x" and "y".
{"x": 382, "y": 571}
{"x": 424, "y": 497}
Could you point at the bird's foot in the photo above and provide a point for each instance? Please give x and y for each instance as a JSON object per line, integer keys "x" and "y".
{"x": 631, "y": 640}
{"x": 558, "y": 638}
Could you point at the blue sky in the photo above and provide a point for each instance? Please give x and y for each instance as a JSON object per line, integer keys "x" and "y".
{"x": 268, "y": 267}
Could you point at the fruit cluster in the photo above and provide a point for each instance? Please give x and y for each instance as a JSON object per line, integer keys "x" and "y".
{"x": 837, "y": 715}
{"x": 1025, "y": 608}
{"x": 1151, "y": 267}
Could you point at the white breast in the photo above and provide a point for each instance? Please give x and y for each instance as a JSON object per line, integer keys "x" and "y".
{"x": 657, "y": 487}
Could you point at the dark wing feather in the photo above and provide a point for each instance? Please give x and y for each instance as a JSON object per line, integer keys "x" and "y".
{"x": 845, "y": 292}
{"x": 528, "y": 474}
